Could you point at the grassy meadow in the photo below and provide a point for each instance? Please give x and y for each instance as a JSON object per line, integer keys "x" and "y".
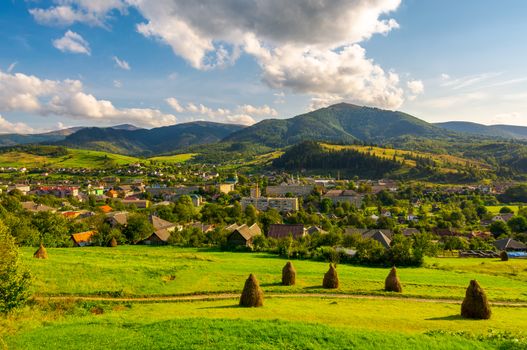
{"x": 358, "y": 315}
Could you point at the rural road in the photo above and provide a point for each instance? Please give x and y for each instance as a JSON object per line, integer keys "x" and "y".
{"x": 222, "y": 296}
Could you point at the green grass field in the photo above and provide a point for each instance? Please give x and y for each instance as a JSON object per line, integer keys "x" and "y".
{"x": 423, "y": 317}
{"x": 176, "y": 158}
{"x": 77, "y": 158}
{"x": 139, "y": 271}
{"x": 495, "y": 209}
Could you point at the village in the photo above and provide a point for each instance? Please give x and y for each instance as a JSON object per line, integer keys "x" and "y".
{"x": 260, "y": 213}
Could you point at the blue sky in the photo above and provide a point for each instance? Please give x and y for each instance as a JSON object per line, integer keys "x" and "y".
{"x": 153, "y": 63}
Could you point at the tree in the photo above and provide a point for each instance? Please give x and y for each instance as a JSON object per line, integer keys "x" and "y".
{"x": 14, "y": 279}
{"x": 505, "y": 210}
{"x": 517, "y": 224}
{"x": 53, "y": 228}
{"x": 498, "y": 228}
{"x": 251, "y": 213}
{"x": 138, "y": 228}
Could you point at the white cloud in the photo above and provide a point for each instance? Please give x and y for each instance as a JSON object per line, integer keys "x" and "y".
{"x": 72, "y": 42}
{"x": 243, "y": 114}
{"x": 467, "y": 81}
{"x": 309, "y": 47}
{"x": 6, "y": 127}
{"x": 121, "y": 63}
{"x": 416, "y": 87}
{"x": 24, "y": 93}
{"x": 11, "y": 67}
{"x": 264, "y": 110}
{"x": 172, "y": 102}
{"x": 118, "y": 84}
{"x": 67, "y": 12}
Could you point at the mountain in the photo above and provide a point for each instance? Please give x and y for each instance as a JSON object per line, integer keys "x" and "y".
{"x": 50, "y": 136}
{"x": 340, "y": 123}
{"x": 502, "y": 131}
{"x": 147, "y": 142}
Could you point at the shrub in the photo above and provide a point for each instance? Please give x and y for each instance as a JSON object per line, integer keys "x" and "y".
{"x": 331, "y": 279}
{"x": 504, "y": 256}
{"x": 288, "y": 274}
{"x": 475, "y": 305}
{"x": 252, "y": 295}
{"x": 392, "y": 283}
{"x": 14, "y": 279}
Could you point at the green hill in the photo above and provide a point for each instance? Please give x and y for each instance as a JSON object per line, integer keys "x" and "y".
{"x": 340, "y": 123}
{"x": 501, "y": 131}
{"x": 145, "y": 142}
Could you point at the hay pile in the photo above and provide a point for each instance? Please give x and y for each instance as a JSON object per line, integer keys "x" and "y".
{"x": 504, "y": 256}
{"x": 252, "y": 295}
{"x": 331, "y": 279}
{"x": 41, "y": 252}
{"x": 475, "y": 305}
{"x": 288, "y": 275}
{"x": 392, "y": 283}
{"x": 112, "y": 243}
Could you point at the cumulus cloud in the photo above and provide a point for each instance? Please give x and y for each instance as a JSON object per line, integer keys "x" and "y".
{"x": 67, "y": 12}
{"x": 7, "y": 127}
{"x": 243, "y": 114}
{"x": 72, "y": 42}
{"x": 121, "y": 63}
{"x": 25, "y": 93}
{"x": 310, "y": 47}
{"x": 416, "y": 87}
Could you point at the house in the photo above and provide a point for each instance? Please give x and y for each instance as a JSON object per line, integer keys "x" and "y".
{"x": 510, "y": 244}
{"x": 106, "y": 209}
{"x": 503, "y": 217}
{"x": 57, "y": 191}
{"x": 243, "y": 235}
{"x": 112, "y": 194}
{"x": 117, "y": 219}
{"x": 384, "y": 237}
{"x": 408, "y": 232}
{"x": 315, "y": 229}
{"x": 283, "y": 231}
{"x": 96, "y": 190}
{"x": 36, "y": 208}
{"x": 386, "y": 213}
{"x": 203, "y": 227}
{"x": 71, "y": 214}
{"x": 162, "y": 231}
{"x": 139, "y": 203}
{"x": 445, "y": 232}
{"x": 197, "y": 200}
{"x": 264, "y": 203}
{"x": 159, "y": 237}
{"x": 82, "y": 239}
{"x": 24, "y": 189}
{"x": 340, "y": 196}
{"x": 295, "y": 190}
{"x": 226, "y": 187}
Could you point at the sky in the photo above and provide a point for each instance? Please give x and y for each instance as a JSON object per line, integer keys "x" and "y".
{"x": 153, "y": 63}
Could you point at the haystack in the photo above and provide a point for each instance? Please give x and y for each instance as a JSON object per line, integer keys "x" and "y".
{"x": 112, "y": 243}
{"x": 288, "y": 275}
{"x": 41, "y": 253}
{"x": 392, "y": 283}
{"x": 331, "y": 279}
{"x": 475, "y": 305}
{"x": 504, "y": 256}
{"x": 252, "y": 295}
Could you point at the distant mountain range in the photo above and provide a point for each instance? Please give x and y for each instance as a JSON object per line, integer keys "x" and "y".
{"x": 340, "y": 123}
{"x": 144, "y": 142}
{"x": 502, "y": 131}
{"x": 51, "y": 136}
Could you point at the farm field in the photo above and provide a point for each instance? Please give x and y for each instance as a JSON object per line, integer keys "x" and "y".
{"x": 89, "y": 298}
{"x": 177, "y": 158}
{"x": 161, "y": 271}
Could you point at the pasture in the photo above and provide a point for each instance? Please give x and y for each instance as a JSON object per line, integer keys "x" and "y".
{"x": 357, "y": 315}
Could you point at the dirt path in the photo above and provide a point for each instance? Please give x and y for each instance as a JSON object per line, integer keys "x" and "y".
{"x": 222, "y": 296}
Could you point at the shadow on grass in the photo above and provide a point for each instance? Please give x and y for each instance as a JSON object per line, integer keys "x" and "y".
{"x": 274, "y": 284}
{"x": 446, "y": 318}
{"x": 314, "y": 288}
{"x": 220, "y": 307}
